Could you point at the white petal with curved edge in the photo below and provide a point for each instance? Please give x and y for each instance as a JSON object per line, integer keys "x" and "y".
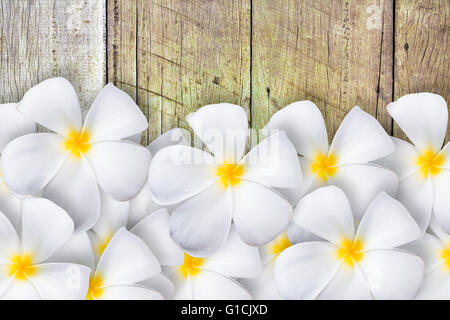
{"x": 416, "y": 194}
{"x": 114, "y": 115}
{"x": 154, "y": 231}
{"x": 183, "y": 287}
{"x": 78, "y": 249}
{"x": 347, "y": 284}
{"x": 141, "y": 206}
{"x": 273, "y": 162}
{"x": 45, "y": 228}
{"x": 429, "y": 248}
{"x": 441, "y": 205}
{"x": 223, "y": 128}
{"x": 10, "y": 205}
{"x": 387, "y": 224}
{"x": 326, "y": 212}
{"x": 302, "y": 271}
{"x": 263, "y": 287}
{"x": 75, "y": 189}
{"x": 44, "y": 150}
{"x": 201, "y": 224}
{"x": 235, "y": 259}
{"x": 61, "y": 281}
{"x": 9, "y": 240}
{"x": 392, "y": 274}
{"x": 130, "y": 292}
{"x": 438, "y": 231}
{"x": 54, "y": 104}
{"x": 422, "y": 117}
{"x": 13, "y": 124}
{"x": 209, "y": 285}
{"x": 172, "y": 137}
{"x": 177, "y": 173}
{"x": 446, "y": 153}
{"x": 113, "y": 216}
{"x": 21, "y": 290}
{"x": 304, "y": 125}
{"x": 161, "y": 284}
{"x": 126, "y": 260}
{"x": 435, "y": 286}
{"x": 297, "y": 234}
{"x": 362, "y": 182}
{"x": 260, "y": 213}
{"x": 121, "y": 167}
{"x": 360, "y": 138}
{"x": 403, "y": 160}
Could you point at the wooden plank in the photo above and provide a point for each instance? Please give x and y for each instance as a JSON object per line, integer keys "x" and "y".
{"x": 40, "y": 39}
{"x": 422, "y": 49}
{"x": 333, "y": 52}
{"x": 191, "y": 53}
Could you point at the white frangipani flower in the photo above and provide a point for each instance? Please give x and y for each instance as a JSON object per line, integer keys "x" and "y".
{"x": 29, "y": 272}
{"x": 350, "y": 265}
{"x": 435, "y": 252}
{"x": 359, "y": 140}
{"x": 12, "y": 125}
{"x": 422, "y": 167}
{"x": 213, "y": 277}
{"x": 224, "y": 186}
{"x": 68, "y": 165}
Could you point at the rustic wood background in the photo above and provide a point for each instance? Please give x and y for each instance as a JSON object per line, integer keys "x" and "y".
{"x": 174, "y": 56}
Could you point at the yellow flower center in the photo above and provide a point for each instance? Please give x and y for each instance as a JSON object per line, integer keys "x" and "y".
{"x": 21, "y": 267}
{"x": 280, "y": 244}
{"x": 191, "y": 266}
{"x": 430, "y": 163}
{"x": 95, "y": 290}
{"x": 324, "y": 166}
{"x": 102, "y": 245}
{"x": 446, "y": 256}
{"x": 230, "y": 174}
{"x": 350, "y": 251}
{"x": 77, "y": 143}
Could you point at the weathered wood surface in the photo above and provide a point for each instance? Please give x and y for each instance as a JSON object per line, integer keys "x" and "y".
{"x": 173, "y": 56}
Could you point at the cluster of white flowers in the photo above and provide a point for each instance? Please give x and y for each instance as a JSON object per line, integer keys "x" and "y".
{"x": 88, "y": 213}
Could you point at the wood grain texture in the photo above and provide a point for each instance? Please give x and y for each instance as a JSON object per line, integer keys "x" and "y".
{"x": 333, "y": 52}
{"x": 422, "y": 55}
{"x": 191, "y": 53}
{"x": 41, "y": 39}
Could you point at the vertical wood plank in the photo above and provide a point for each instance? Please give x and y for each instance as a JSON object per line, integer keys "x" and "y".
{"x": 41, "y": 39}
{"x": 333, "y": 52}
{"x": 191, "y": 53}
{"x": 422, "y": 49}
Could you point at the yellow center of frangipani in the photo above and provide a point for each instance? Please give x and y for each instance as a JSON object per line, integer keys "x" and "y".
{"x": 230, "y": 174}
{"x": 102, "y": 245}
{"x": 95, "y": 288}
{"x": 324, "y": 166}
{"x": 78, "y": 143}
{"x": 430, "y": 163}
{"x": 350, "y": 251}
{"x": 191, "y": 266}
{"x": 446, "y": 256}
{"x": 281, "y": 243}
{"x": 21, "y": 267}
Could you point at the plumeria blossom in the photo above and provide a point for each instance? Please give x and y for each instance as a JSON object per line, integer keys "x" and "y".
{"x": 213, "y": 277}
{"x": 71, "y": 163}
{"x": 423, "y": 167}
{"x": 350, "y": 265}
{"x": 29, "y": 272}
{"x": 434, "y": 249}
{"x": 223, "y": 186}
{"x": 359, "y": 140}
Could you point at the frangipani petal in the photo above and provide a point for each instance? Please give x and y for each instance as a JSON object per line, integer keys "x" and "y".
{"x": 223, "y": 128}
{"x": 172, "y": 137}
{"x": 429, "y": 248}
{"x": 21, "y": 290}
{"x": 45, "y": 228}
{"x": 346, "y": 284}
{"x": 209, "y": 285}
{"x": 441, "y": 206}
{"x": 435, "y": 286}
{"x": 10, "y": 205}
{"x": 114, "y": 116}
{"x": 327, "y": 213}
{"x": 9, "y": 241}
{"x": 13, "y": 124}
{"x": 121, "y": 167}
{"x": 273, "y": 162}
{"x": 161, "y": 284}
{"x": 78, "y": 249}
{"x": 304, "y": 125}
{"x": 423, "y": 118}
{"x": 53, "y": 104}
{"x": 113, "y": 216}
{"x": 141, "y": 206}
{"x": 130, "y": 292}
{"x": 258, "y": 222}
{"x": 263, "y": 287}
{"x": 360, "y": 139}
{"x": 201, "y": 224}
{"x": 44, "y": 150}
